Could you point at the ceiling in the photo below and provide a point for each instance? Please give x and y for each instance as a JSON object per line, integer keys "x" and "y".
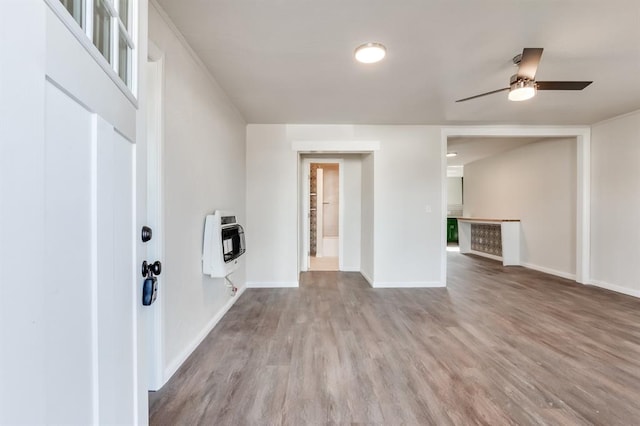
{"x": 291, "y": 61}
{"x": 470, "y": 149}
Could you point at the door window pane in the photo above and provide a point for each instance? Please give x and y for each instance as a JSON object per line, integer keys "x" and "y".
{"x": 123, "y": 11}
{"x": 124, "y": 60}
{"x": 102, "y": 29}
{"x": 75, "y": 9}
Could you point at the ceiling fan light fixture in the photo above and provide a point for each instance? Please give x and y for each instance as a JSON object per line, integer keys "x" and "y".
{"x": 521, "y": 90}
{"x": 370, "y": 53}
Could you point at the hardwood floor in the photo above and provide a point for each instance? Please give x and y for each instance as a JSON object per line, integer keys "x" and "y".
{"x": 330, "y": 263}
{"x": 497, "y": 346}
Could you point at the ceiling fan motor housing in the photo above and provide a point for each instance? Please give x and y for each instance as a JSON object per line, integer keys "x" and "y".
{"x": 517, "y": 59}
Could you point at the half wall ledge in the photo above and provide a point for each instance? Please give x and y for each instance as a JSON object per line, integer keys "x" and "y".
{"x": 497, "y": 239}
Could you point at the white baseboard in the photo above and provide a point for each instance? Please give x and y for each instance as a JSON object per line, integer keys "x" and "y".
{"x": 487, "y": 255}
{"x": 617, "y": 288}
{"x": 550, "y": 271}
{"x": 367, "y": 278}
{"x": 350, "y": 269}
{"x": 408, "y": 284}
{"x": 177, "y": 362}
{"x": 275, "y": 284}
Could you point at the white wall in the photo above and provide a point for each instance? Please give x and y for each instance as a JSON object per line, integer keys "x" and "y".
{"x": 272, "y": 207}
{"x": 454, "y": 196}
{"x": 536, "y": 184}
{"x": 351, "y": 232}
{"x": 204, "y": 166}
{"x": 408, "y": 210}
{"x": 406, "y": 183}
{"x": 615, "y": 201}
{"x": 454, "y": 190}
{"x": 367, "y": 249}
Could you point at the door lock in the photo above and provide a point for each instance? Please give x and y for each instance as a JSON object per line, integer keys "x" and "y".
{"x": 154, "y": 268}
{"x": 146, "y": 234}
{"x": 150, "y": 285}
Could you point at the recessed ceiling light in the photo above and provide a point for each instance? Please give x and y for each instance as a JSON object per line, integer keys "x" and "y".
{"x": 369, "y": 53}
{"x": 451, "y": 154}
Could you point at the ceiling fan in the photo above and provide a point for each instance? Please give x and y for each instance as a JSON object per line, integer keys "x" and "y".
{"x": 523, "y": 84}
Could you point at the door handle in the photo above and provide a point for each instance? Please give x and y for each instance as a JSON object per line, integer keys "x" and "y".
{"x": 154, "y": 268}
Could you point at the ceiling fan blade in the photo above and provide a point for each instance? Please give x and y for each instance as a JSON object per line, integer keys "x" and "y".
{"x": 562, "y": 85}
{"x": 483, "y": 94}
{"x": 529, "y": 62}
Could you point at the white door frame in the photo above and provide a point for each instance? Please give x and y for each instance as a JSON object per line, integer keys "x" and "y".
{"x": 583, "y": 182}
{"x": 319, "y": 214}
{"x": 155, "y": 211}
{"x": 306, "y": 247}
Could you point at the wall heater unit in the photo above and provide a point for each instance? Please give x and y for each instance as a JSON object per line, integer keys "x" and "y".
{"x": 223, "y": 244}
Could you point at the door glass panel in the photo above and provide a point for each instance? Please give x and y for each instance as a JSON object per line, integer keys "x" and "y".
{"x": 123, "y": 11}
{"x": 124, "y": 59}
{"x": 75, "y": 9}
{"x": 102, "y": 29}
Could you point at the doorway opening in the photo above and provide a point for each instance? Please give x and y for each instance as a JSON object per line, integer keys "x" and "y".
{"x": 323, "y": 214}
{"x": 520, "y": 200}
{"x": 537, "y": 176}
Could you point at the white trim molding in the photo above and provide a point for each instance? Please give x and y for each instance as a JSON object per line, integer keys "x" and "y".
{"x": 550, "y": 271}
{"x": 61, "y": 12}
{"x": 583, "y": 207}
{"x": 177, "y": 362}
{"x": 487, "y": 255}
{"x": 276, "y": 284}
{"x": 408, "y": 284}
{"x": 617, "y": 288}
{"x": 367, "y": 278}
{"x": 330, "y": 146}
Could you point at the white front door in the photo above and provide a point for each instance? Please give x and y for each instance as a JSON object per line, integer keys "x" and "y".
{"x": 90, "y": 251}
{"x": 117, "y": 278}
{"x": 70, "y": 302}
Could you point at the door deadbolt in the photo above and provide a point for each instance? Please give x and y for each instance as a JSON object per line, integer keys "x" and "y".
{"x": 147, "y": 234}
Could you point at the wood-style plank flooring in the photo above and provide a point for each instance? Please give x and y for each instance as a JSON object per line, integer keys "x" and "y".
{"x": 497, "y": 346}
{"x": 327, "y": 263}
